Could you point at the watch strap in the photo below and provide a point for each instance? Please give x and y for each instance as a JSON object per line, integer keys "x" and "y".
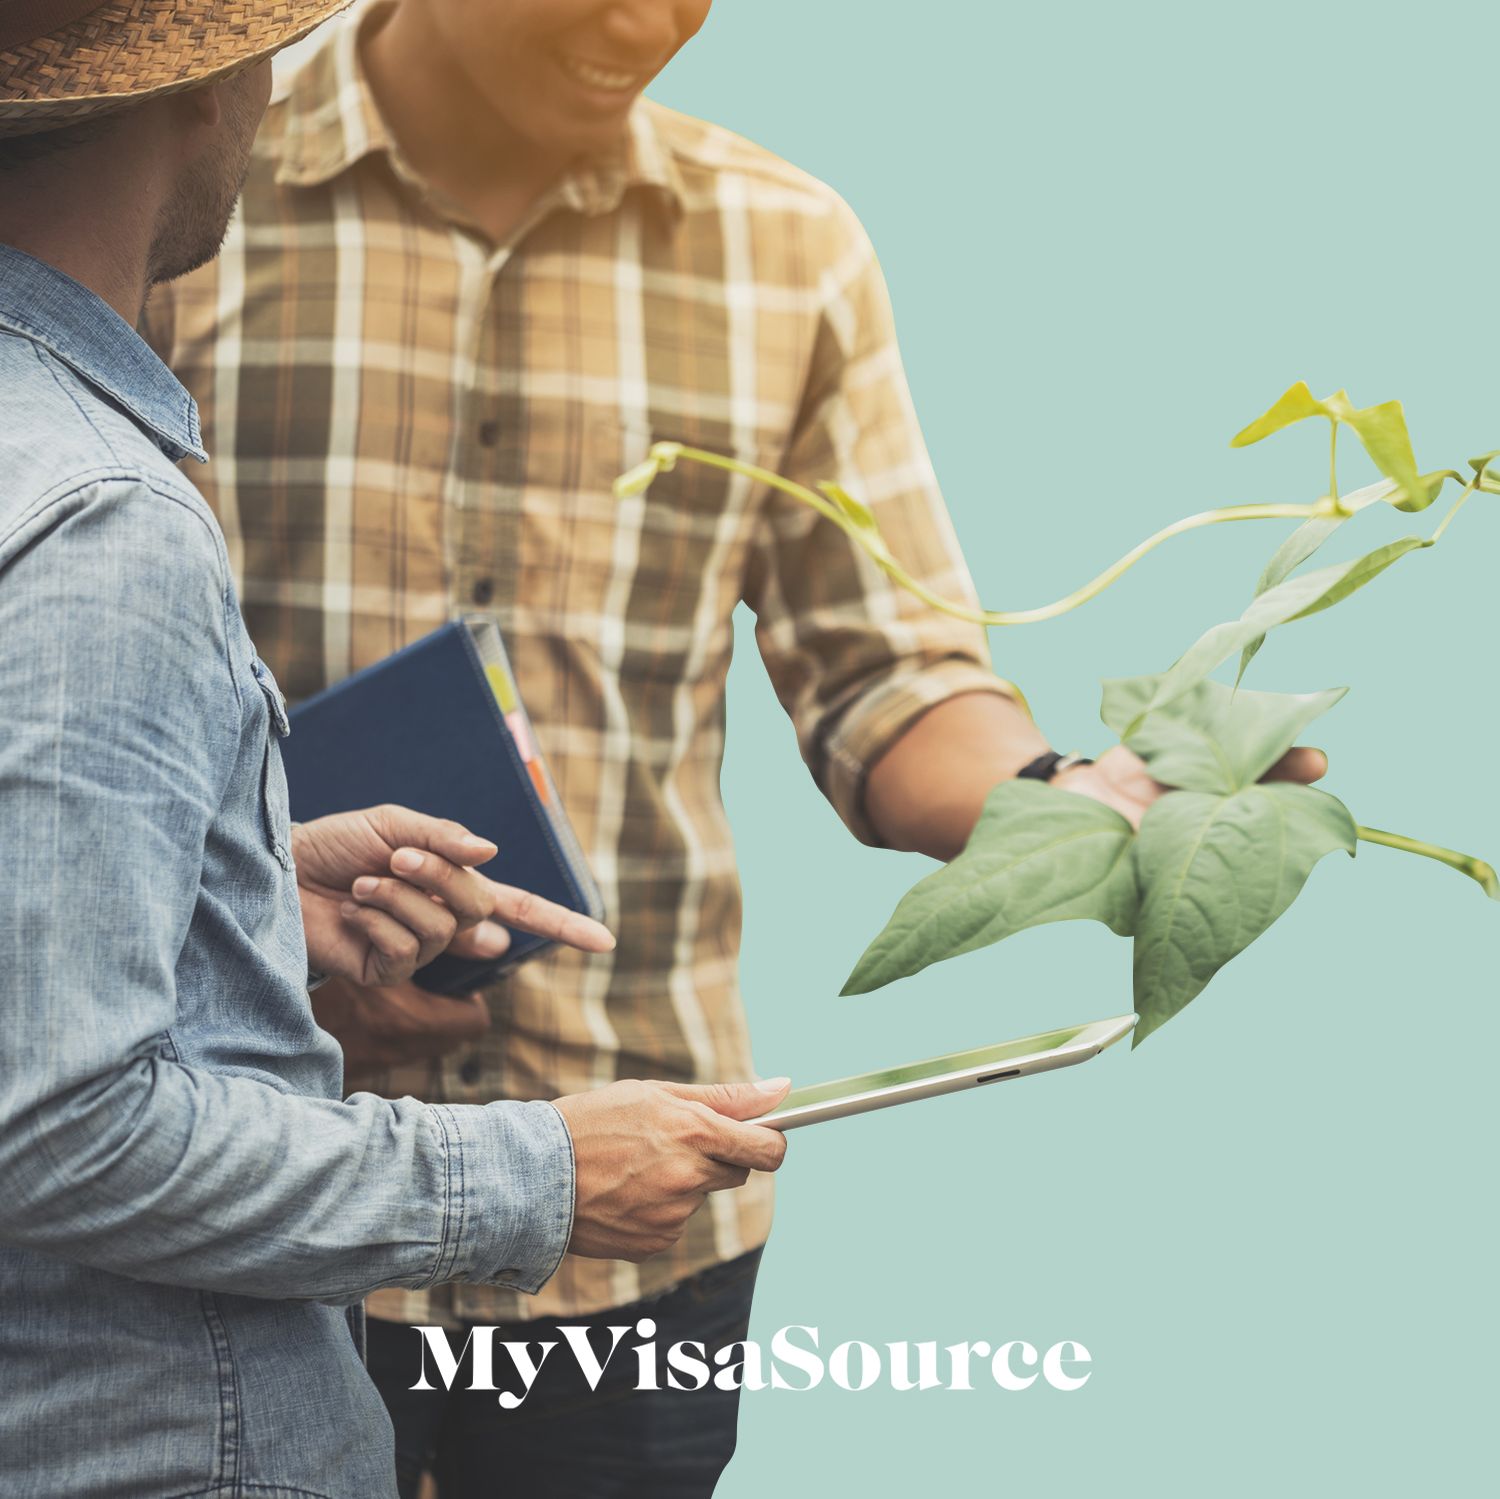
{"x": 1047, "y": 766}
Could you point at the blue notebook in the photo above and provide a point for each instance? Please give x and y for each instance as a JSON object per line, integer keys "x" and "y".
{"x": 439, "y": 727}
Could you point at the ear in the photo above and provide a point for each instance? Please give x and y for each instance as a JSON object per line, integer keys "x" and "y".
{"x": 195, "y": 110}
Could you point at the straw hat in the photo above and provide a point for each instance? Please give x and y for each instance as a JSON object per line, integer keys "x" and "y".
{"x": 64, "y": 60}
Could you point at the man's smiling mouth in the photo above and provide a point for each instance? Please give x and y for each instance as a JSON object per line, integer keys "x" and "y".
{"x": 600, "y": 75}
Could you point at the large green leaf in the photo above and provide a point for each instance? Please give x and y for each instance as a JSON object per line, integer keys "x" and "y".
{"x": 1215, "y": 872}
{"x": 1296, "y": 598}
{"x": 1212, "y": 738}
{"x": 1038, "y": 854}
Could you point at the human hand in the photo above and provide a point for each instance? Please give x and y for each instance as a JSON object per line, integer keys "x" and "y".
{"x": 1119, "y": 778}
{"x": 395, "y": 1023}
{"x": 647, "y": 1155}
{"x": 385, "y": 890}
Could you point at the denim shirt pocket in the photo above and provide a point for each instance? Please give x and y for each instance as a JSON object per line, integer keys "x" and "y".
{"x": 275, "y": 799}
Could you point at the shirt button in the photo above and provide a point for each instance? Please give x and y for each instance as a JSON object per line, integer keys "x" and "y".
{"x": 469, "y": 1071}
{"x": 489, "y": 433}
{"x": 483, "y": 590}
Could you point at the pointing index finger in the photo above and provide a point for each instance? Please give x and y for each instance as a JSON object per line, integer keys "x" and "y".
{"x": 531, "y": 913}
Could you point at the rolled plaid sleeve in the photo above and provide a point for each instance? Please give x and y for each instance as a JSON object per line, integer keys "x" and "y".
{"x": 854, "y": 658}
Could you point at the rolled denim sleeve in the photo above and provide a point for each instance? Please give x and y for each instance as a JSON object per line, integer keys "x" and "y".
{"x": 122, "y": 736}
{"x": 525, "y": 1147}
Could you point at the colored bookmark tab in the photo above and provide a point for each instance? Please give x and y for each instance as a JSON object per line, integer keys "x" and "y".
{"x": 503, "y": 688}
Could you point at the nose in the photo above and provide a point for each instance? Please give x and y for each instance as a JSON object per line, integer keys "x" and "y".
{"x": 645, "y": 30}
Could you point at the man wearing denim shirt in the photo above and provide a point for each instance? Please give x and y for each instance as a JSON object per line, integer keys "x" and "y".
{"x": 189, "y": 1205}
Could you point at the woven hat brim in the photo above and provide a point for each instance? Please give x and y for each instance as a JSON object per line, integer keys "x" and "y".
{"x": 130, "y": 50}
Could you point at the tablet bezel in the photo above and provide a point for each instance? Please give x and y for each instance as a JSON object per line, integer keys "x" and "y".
{"x": 1089, "y": 1042}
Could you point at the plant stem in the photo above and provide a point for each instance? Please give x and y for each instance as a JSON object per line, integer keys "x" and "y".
{"x": 1476, "y": 869}
{"x": 1455, "y": 507}
{"x": 1220, "y": 516}
{"x": 665, "y": 454}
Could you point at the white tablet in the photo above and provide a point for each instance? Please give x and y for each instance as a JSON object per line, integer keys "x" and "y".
{"x": 959, "y": 1069}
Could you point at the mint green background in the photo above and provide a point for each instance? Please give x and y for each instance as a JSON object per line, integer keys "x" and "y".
{"x": 1114, "y": 234}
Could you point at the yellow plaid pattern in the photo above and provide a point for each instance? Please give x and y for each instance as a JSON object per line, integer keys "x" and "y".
{"x": 407, "y": 422}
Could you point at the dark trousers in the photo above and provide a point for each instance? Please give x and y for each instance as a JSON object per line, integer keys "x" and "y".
{"x": 566, "y": 1441}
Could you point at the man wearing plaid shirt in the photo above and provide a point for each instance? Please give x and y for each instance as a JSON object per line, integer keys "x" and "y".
{"x": 474, "y": 277}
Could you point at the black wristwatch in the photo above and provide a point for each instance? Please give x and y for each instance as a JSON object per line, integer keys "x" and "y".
{"x": 1047, "y": 767}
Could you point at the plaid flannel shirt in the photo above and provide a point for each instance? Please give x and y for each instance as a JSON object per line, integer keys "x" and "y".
{"x": 406, "y": 422}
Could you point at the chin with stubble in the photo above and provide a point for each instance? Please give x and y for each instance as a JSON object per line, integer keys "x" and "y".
{"x": 198, "y": 213}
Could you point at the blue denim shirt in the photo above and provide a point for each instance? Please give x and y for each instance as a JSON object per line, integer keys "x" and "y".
{"x": 186, "y": 1201}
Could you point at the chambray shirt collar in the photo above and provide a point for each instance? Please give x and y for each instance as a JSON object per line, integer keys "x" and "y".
{"x": 76, "y": 326}
{"x": 333, "y": 122}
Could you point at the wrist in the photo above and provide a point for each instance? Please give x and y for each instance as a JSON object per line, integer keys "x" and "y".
{"x": 1051, "y": 764}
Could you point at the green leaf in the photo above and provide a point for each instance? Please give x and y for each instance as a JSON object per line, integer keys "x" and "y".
{"x": 1295, "y": 404}
{"x": 1212, "y": 738}
{"x": 1429, "y": 487}
{"x": 1301, "y": 545}
{"x": 1296, "y": 598}
{"x": 1215, "y": 872}
{"x": 1038, "y": 854}
{"x": 1288, "y": 557}
{"x": 1298, "y": 547}
{"x": 1381, "y": 430}
{"x": 1487, "y": 475}
{"x": 1311, "y": 534}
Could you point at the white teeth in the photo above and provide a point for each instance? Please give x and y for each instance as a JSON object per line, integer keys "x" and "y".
{"x": 597, "y": 77}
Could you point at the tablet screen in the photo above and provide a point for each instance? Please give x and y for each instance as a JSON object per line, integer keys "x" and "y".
{"x": 957, "y": 1061}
